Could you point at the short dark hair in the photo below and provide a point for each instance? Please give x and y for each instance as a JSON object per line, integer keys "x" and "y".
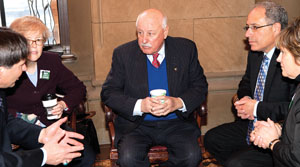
{"x": 13, "y": 47}
{"x": 274, "y": 13}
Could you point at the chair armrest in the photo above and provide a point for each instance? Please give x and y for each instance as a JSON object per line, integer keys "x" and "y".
{"x": 109, "y": 119}
{"x": 79, "y": 114}
{"x": 202, "y": 110}
{"x": 200, "y": 113}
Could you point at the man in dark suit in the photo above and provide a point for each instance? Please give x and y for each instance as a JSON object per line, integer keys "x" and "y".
{"x": 165, "y": 120}
{"x": 258, "y": 100}
{"x": 56, "y": 148}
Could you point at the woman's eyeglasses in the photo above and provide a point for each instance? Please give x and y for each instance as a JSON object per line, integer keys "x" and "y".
{"x": 39, "y": 41}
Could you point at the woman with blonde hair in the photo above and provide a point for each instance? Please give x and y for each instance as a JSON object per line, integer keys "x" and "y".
{"x": 285, "y": 142}
{"x": 45, "y": 74}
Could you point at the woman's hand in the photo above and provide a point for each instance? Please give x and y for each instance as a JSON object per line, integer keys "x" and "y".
{"x": 265, "y": 132}
{"x": 59, "y": 108}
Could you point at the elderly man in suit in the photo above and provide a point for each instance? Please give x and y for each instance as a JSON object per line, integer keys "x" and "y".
{"x": 56, "y": 148}
{"x": 263, "y": 92}
{"x": 155, "y": 61}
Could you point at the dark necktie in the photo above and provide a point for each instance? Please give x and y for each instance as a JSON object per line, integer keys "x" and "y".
{"x": 259, "y": 91}
{"x": 155, "y": 62}
{"x": 1, "y": 104}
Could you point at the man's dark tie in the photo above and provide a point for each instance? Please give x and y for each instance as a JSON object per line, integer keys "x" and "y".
{"x": 259, "y": 91}
{"x": 1, "y": 104}
{"x": 155, "y": 62}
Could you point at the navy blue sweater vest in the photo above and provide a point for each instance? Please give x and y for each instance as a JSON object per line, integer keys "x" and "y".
{"x": 158, "y": 79}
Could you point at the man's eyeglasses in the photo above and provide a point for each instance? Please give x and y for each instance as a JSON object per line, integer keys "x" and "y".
{"x": 38, "y": 41}
{"x": 254, "y": 28}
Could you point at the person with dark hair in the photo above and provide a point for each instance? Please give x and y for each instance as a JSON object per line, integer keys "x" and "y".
{"x": 262, "y": 93}
{"x": 155, "y": 61}
{"x": 284, "y": 142}
{"x": 50, "y": 145}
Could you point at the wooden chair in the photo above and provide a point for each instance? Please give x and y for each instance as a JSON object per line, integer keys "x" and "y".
{"x": 157, "y": 153}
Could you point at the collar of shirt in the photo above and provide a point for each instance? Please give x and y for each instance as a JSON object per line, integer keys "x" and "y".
{"x": 161, "y": 55}
{"x": 270, "y": 53}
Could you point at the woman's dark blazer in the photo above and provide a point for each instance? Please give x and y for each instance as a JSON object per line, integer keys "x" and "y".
{"x": 287, "y": 151}
{"x": 24, "y": 97}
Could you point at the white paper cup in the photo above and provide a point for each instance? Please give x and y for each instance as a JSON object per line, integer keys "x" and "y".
{"x": 49, "y": 104}
{"x": 158, "y": 92}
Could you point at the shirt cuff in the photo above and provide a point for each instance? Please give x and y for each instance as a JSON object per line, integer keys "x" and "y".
{"x": 255, "y": 109}
{"x": 137, "y": 111}
{"x": 183, "y": 109}
{"x": 44, "y": 156}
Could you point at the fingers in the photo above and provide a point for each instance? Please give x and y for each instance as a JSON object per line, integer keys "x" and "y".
{"x": 161, "y": 105}
{"x": 69, "y": 139}
{"x": 270, "y": 122}
{"x": 74, "y": 135}
{"x": 59, "y": 122}
{"x": 60, "y": 153}
{"x": 57, "y": 137}
{"x": 148, "y": 103}
{"x": 58, "y": 109}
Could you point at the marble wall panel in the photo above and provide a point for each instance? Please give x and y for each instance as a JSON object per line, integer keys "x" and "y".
{"x": 80, "y": 23}
{"x": 113, "y": 35}
{"x": 219, "y": 109}
{"x": 220, "y": 43}
{"x": 99, "y": 122}
{"x": 183, "y": 9}
{"x": 122, "y": 10}
{"x": 181, "y": 28}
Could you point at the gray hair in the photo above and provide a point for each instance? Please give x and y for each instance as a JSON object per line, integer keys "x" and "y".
{"x": 164, "y": 21}
{"x": 274, "y": 13}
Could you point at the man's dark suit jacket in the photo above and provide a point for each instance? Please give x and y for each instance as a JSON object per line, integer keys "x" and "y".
{"x": 17, "y": 131}
{"x": 127, "y": 81}
{"x": 278, "y": 89}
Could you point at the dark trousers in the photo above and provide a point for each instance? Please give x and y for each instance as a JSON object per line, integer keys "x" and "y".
{"x": 88, "y": 155}
{"x": 227, "y": 143}
{"x": 178, "y": 136}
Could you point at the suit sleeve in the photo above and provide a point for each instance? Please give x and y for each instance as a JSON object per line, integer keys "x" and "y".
{"x": 20, "y": 132}
{"x": 274, "y": 111}
{"x": 197, "y": 87}
{"x": 23, "y": 133}
{"x": 29, "y": 158}
{"x": 113, "y": 89}
{"x": 244, "y": 85}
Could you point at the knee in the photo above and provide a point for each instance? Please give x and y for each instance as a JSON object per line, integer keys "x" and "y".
{"x": 209, "y": 139}
{"x": 193, "y": 155}
{"x": 128, "y": 156}
{"x": 125, "y": 157}
{"x": 233, "y": 162}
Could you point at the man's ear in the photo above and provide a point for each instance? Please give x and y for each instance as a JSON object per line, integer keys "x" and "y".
{"x": 166, "y": 31}
{"x": 1, "y": 71}
{"x": 276, "y": 28}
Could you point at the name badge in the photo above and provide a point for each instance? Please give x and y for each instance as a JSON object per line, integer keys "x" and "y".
{"x": 45, "y": 74}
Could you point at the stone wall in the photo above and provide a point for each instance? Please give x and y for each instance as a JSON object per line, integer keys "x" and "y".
{"x": 216, "y": 26}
